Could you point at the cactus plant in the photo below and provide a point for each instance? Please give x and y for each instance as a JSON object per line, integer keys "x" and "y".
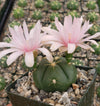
{"x": 92, "y": 16}
{"x": 37, "y": 14}
{"x": 22, "y": 3}
{"x": 91, "y": 5}
{"x": 3, "y": 62}
{"x": 55, "y": 5}
{"x": 2, "y": 83}
{"x": 73, "y": 14}
{"x": 77, "y": 62}
{"x": 98, "y": 92}
{"x": 96, "y": 48}
{"x": 39, "y": 3}
{"x": 18, "y": 13}
{"x": 94, "y": 29}
{"x": 72, "y": 5}
{"x": 98, "y": 68}
{"x": 53, "y": 15}
{"x": 56, "y": 76}
{"x": 12, "y": 24}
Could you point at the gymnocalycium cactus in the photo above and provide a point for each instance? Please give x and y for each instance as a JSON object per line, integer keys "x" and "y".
{"x": 92, "y": 16}
{"x": 37, "y": 14}
{"x": 39, "y": 3}
{"x": 73, "y": 14}
{"x": 2, "y": 83}
{"x": 94, "y": 29}
{"x": 22, "y": 3}
{"x": 91, "y": 5}
{"x": 53, "y": 15}
{"x": 77, "y": 62}
{"x": 55, "y": 5}
{"x": 18, "y": 13}
{"x": 3, "y": 62}
{"x": 57, "y": 76}
{"x": 72, "y": 5}
{"x": 96, "y": 48}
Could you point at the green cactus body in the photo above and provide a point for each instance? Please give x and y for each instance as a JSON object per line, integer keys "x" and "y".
{"x": 94, "y": 29}
{"x": 53, "y": 15}
{"x": 96, "y": 48}
{"x": 37, "y": 14}
{"x": 77, "y": 62}
{"x": 98, "y": 92}
{"x": 72, "y": 5}
{"x": 92, "y": 16}
{"x": 39, "y": 3}
{"x": 73, "y": 14}
{"x": 3, "y": 62}
{"x": 14, "y": 23}
{"x": 2, "y": 83}
{"x": 55, "y": 5}
{"x": 18, "y": 13}
{"x": 91, "y": 5}
{"x": 22, "y": 3}
{"x": 57, "y": 76}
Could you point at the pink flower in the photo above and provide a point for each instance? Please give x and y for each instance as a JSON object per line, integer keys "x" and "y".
{"x": 25, "y": 43}
{"x": 69, "y": 36}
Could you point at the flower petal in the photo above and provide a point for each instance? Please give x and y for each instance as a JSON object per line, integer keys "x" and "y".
{"x": 58, "y": 24}
{"x": 25, "y": 30}
{"x": 55, "y": 46}
{"x": 47, "y": 53}
{"x": 85, "y": 46}
{"x": 4, "y": 44}
{"x": 29, "y": 59}
{"x": 71, "y": 48}
{"x": 13, "y": 57}
{"x": 5, "y": 52}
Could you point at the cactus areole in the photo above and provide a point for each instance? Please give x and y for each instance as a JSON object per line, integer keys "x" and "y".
{"x": 56, "y": 76}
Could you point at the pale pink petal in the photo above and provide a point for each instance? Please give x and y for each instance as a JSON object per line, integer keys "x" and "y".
{"x": 47, "y": 38}
{"x": 86, "y": 27}
{"x": 4, "y": 44}
{"x": 7, "y": 51}
{"x": 85, "y": 46}
{"x": 71, "y": 48}
{"x": 55, "y": 46}
{"x": 29, "y": 59}
{"x": 92, "y": 36}
{"x": 93, "y": 41}
{"x": 50, "y": 31}
{"x": 25, "y": 30}
{"x": 47, "y": 53}
{"x": 58, "y": 25}
{"x": 13, "y": 57}
{"x": 67, "y": 22}
{"x": 36, "y": 30}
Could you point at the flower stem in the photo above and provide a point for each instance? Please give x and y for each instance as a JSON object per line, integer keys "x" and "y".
{"x": 68, "y": 57}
